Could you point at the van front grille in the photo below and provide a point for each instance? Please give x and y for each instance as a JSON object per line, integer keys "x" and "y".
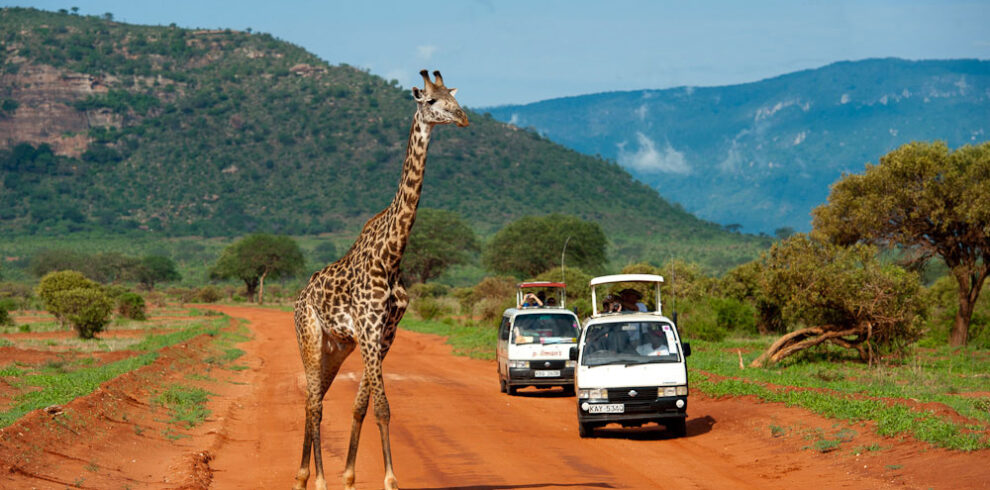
{"x": 625, "y": 395}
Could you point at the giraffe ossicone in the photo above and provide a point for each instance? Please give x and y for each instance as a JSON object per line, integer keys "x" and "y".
{"x": 358, "y": 300}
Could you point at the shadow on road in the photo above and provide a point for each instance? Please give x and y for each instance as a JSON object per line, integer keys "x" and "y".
{"x": 543, "y": 393}
{"x": 651, "y": 432}
{"x": 527, "y": 485}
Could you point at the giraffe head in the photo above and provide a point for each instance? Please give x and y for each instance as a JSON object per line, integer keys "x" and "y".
{"x": 436, "y": 102}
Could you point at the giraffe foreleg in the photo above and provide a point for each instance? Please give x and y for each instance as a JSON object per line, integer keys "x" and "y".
{"x": 383, "y": 416}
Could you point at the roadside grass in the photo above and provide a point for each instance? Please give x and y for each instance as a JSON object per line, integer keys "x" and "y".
{"x": 186, "y": 404}
{"x": 926, "y": 376}
{"x": 476, "y": 342}
{"x": 830, "y": 382}
{"x": 59, "y": 381}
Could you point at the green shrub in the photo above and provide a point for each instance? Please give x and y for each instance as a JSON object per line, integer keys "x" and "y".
{"x": 55, "y": 283}
{"x": 428, "y": 308}
{"x": 734, "y": 315}
{"x": 88, "y": 310}
{"x": 131, "y": 305}
{"x": 428, "y": 290}
{"x": 208, "y": 294}
{"x": 6, "y": 304}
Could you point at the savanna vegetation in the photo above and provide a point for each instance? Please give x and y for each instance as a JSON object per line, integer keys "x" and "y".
{"x": 881, "y": 300}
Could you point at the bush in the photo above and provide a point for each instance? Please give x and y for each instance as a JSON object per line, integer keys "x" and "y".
{"x": 428, "y": 290}
{"x": 6, "y": 304}
{"x": 208, "y": 294}
{"x": 55, "y": 283}
{"x": 88, "y": 310}
{"x": 428, "y": 308}
{"x": 131, "y": 305}
{"x": 734, "y": 315}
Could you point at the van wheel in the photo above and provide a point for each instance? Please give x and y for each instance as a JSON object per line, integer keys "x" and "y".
{"x": 511, "y": 390}
{"x": 677, "y": 427}
{"x": 568, "y": 390}
{"x": 501, "y": 385}
{"x": 586, "y": 430}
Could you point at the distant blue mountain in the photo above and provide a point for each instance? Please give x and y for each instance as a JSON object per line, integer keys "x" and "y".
{"x": 762, "y": 155}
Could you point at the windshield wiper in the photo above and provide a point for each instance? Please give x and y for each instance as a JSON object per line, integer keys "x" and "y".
{"x": 644, "y": 361}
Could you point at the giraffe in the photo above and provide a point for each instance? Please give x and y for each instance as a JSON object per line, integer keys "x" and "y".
{"x": 358, "y": 300}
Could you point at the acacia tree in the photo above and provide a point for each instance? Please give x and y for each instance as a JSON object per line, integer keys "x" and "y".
{"x": 531, "y": 245}
{"x": 439, "y": 239}
{"x": 257, "y": 257}
{"x": 842, "y": 295}
{"x": 929, "y": 202}
{"x": 155, "y": 268}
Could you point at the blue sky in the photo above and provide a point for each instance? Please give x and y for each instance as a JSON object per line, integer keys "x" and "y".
{"x": 520, "y": 51}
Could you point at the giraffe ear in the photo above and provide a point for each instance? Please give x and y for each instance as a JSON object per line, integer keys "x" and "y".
{"x": 453, "y": 92}
{"x": 418, "y": 94}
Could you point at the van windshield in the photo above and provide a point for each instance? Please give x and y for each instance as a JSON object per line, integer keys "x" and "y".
{"x": 629, "y": 343}
{"x": 545, "y": 329}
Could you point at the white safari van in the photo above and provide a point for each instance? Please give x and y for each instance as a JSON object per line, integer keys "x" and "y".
{"x": 630, "y": 363}
{"x": 535, "y": 338}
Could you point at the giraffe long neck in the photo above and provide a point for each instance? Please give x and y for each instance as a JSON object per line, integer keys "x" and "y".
{"x": 401, "y": 213}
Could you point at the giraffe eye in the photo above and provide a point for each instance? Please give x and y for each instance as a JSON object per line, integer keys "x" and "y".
{"x": 431, "y": 101}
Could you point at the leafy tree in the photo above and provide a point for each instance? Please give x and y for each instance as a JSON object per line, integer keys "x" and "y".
{"x": 59, "y": 281}
{"x": 46, "y": 261}
{"x": 784, "y": 232}
{"x": 842, "y": 295}
{"x": 531, "y": 245}
{"x": 928, "y": 201}
{"x": 325, "y": 253}
{"x": 257, "y": 257}
{"x": 76, "y": 301}
{"x": 88, "y": 310}
{"x": 439, "y": 239}
{"x": 110, "y": 267}
{"x": 156, "y": 268}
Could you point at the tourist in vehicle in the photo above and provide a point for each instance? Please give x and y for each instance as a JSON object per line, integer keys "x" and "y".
{"x": 611, "y": 304}
{"x": 653, "y": 344}
{"x": 532, "y": 300}
{"x": 630, "y": 299}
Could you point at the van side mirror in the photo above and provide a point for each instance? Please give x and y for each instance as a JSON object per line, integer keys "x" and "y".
{"x": 572, "y": 354}
{"x": 687, "y": 348}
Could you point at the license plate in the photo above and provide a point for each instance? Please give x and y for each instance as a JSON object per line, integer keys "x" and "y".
{"x": 607, "y": 408}
{"x": 547, "y": 373}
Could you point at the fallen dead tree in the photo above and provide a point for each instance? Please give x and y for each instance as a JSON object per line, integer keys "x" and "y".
{"x": 845, "y": 295}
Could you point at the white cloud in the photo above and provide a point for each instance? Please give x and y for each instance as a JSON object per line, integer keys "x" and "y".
{"x": 844, "y": 99}
{"x": 648, "y": 159}
{"x": 800, "y": 137}
{"x": 425, "y": 52}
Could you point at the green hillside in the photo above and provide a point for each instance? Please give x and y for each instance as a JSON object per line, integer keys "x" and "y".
{"x": 124, "y": 129}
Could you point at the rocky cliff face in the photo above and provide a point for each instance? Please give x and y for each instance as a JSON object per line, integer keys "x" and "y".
{"x": 45, "y": 111}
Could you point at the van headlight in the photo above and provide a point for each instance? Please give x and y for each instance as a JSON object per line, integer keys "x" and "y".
{"x": 593, "y": 393}
{"x": 681, "y": 390}
{"x": 570, "y": 363}
{"x": 519, "y": 364}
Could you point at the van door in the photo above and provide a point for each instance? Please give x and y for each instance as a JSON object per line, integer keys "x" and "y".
{"x": 502, "y": 349}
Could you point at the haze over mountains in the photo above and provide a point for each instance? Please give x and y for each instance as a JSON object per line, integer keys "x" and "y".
{"x": 763, "y": 154}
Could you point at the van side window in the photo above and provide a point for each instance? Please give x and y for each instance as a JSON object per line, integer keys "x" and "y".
{"x": 503, "y": 330}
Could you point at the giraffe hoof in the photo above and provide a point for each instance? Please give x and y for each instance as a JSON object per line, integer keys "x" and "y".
{"x": 391, "y": 483}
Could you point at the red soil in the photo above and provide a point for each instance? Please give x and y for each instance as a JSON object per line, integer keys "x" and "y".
{"x": 451, "y": 429}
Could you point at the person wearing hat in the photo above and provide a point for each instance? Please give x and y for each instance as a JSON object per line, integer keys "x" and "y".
{"x": 630, "y": 299}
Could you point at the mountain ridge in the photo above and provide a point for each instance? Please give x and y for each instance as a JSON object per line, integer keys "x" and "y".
{"x": 163, "y": 130}
{"x": 762, "y": 154}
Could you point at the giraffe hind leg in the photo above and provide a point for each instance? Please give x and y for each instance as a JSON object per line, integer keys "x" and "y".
{"x": 321, "y": 361}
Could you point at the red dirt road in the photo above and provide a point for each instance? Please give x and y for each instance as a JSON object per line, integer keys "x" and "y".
{"x": 452, "y": 429}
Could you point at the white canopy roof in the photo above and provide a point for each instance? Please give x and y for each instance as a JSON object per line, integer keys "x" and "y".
{"x": 626, "y": 278}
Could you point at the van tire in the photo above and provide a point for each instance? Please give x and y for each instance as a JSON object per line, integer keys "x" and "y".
{"x": 501, "y": 385}
{"x": 511, "y": 390}
{"x": 568, "y": 390}
{"x": 586, "y": 430}
{"x": 677, "y": 427}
